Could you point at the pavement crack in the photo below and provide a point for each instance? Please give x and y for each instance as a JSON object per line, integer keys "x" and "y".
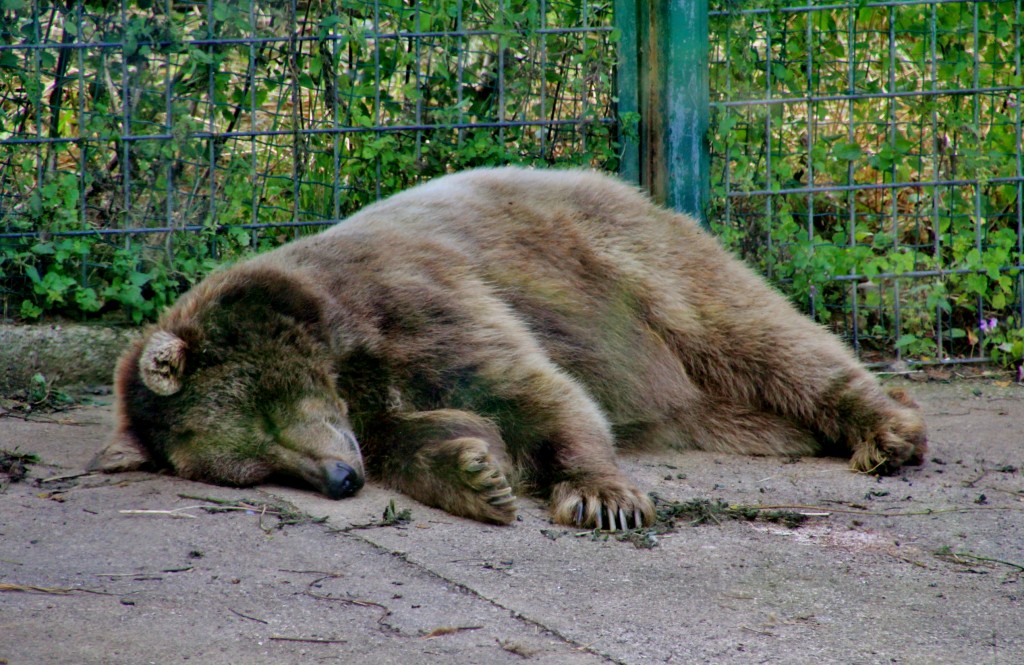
{"x": 464, "y": 588}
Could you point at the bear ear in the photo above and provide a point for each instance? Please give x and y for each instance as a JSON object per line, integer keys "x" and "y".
{"x": 162, "y": 363}
{"x": 268, "y": 288}
{"x": 123, "y": 453}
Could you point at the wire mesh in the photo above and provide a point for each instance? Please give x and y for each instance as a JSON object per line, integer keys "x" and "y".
{"x": 867, "y": 155}
{"x": 144, "y": 141}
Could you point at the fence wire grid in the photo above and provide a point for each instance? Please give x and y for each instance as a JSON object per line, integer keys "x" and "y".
{"x": 203, "y": 130}
{"x": 867, "y": 156}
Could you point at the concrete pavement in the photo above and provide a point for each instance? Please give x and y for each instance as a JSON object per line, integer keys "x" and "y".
{"x": 925, "y": 567}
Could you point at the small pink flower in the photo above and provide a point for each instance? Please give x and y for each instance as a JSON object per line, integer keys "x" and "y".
{"x": 988, "y": 326}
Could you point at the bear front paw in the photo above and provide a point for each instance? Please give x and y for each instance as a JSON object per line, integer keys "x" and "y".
{"x": 481, "y": 474}
{"x": 605, "y": 505}
{"x": 471, "y": 483}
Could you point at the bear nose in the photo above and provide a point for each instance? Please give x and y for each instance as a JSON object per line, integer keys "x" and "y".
{"x": 342, "y": 481}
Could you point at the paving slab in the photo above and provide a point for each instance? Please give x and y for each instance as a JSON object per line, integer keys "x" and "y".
{"x": 924, "y": 567}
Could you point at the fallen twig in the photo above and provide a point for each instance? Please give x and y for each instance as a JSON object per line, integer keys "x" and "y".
{"x": 904, "y": 372}
{"x": 903, "y": 513}
{"x": 262, "y": 513}
{"x": 53, "y": 591}
{"x": 209, "y": 499}
{"x": 34, "y": 417}
{"x": 176, "y": 512}
{"x": 285, "y": 513}
{"x": 448, "y": 630}
{"x": 246, "y": 616}
{"x": 964, "y": 555}
{"x": 28, "y": 588}
{"x": 971, "y": 483}
{"x": 66, "y": 476}
{"x": 141, "y": 574}
{"x": 314, "y": 640}
{"x": 947, "y": 553}
{"x": 349, "y": 601}
{"x": 353, "y": 601}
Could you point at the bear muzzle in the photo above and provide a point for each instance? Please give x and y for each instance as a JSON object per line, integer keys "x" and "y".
{"x": 321, "y": 453}
{"x": 340, "y": 480}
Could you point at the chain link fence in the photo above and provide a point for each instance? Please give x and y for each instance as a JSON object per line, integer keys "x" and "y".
{"x": 142, "y": 142}
{"x": 867, "y": 156}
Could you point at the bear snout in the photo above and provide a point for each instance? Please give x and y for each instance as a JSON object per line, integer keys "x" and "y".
{"x": 341, "y": 480}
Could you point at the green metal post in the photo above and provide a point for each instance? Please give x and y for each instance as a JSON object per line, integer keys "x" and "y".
{"x": 672, "y": 69}
{"x": 627, "y": 14}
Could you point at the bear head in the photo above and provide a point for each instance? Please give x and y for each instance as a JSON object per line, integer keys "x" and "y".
{"x": 236, "y": 385}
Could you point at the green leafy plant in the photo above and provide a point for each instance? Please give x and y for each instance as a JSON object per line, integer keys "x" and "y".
{"x": 204, "y": 136}
{"x": 866, "y": 184}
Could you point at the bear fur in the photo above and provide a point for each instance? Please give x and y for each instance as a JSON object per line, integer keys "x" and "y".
{"x": 490, "y": 330}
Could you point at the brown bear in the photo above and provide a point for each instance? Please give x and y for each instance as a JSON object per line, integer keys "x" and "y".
{"x": 494, "y": 329}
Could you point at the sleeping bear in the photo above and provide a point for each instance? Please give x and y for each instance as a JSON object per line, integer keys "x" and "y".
{"x": 494, "y": 331}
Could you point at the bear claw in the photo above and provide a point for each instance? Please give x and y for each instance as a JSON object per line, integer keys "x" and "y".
{"x": 501, "y": 497}
{"x": 461, "y": 477}
{"x": 624, "y": 523}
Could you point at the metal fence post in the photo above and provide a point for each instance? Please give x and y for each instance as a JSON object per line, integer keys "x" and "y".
{"x": 670, "y": 62}
{"x": 627, "y": 16}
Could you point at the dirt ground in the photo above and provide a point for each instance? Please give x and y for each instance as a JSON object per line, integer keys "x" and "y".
{"x": 925, "y": 567}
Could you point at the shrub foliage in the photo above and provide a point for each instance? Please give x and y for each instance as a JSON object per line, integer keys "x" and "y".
{"x": 148, "y": 141}
{"x": 879, "y": 143}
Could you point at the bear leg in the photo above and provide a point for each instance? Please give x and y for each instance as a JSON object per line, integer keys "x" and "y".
{"x": 879, "y": 431}
{"x": 573, "y": 459}
{"x": 587, "y": 489}
{"x": 790, "y": 370}
{"x": 570, "y": 456}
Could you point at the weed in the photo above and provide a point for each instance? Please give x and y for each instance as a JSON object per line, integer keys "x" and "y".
{"x": 286, "y": 514}
{"x": 15, "y": 465}
{"x": 392, "y": 516}
{"x": 40, "y": 396}
{"x": 697, "y": 512}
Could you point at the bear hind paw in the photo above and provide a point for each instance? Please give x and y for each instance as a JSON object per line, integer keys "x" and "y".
{"x": 898, "y": 442}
